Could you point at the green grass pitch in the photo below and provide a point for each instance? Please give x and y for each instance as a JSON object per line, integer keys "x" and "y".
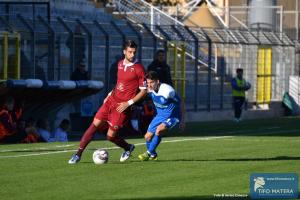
{"x": 205, "y": 160}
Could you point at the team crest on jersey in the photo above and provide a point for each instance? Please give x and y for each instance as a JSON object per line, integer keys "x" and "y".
{"x": 120, "y": 87}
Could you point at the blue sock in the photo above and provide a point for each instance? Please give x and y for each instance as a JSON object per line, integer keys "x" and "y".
{"x": 148, "y": 144}
{"x": 154, "y": 143}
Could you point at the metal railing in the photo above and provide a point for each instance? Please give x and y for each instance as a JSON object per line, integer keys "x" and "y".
{"x": 144, "y": 13}
{"x": 103, "y": 42}
{"x": 285, "y": 20}
{"x": 10, "y": 55}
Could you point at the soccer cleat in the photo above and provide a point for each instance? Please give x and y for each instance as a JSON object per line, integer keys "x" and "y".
{"x": 126, "y": 154}
{"x": 153, "y": 157}
{"x": 144, "y": 157}
{"x": 75, "y": 159}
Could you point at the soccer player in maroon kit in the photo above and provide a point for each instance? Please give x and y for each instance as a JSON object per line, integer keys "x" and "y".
{"x": 115, "y": 110}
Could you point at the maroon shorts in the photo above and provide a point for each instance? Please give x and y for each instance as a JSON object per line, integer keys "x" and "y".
{"x": 108, "y": 112}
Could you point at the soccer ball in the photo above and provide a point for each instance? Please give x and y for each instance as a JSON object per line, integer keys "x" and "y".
{"x": 100, "y": 156}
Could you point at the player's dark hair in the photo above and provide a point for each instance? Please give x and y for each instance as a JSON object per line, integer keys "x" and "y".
{"x": 152, "y": 75}
{"x": 130, "y": 44}
{"x": 159, "y": 51}
{"x": 64, "y": 124}
{"x": 239, "y": 70}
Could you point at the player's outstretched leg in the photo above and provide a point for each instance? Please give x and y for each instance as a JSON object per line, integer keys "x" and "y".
{"x": 120, "y": 142}
{"x": 126, "y": 154}
{"x": 85, "y": 140}
{"x": 147, "y": 155}
{"x": 74, "y": 159}
{"x": 154, "y": 143}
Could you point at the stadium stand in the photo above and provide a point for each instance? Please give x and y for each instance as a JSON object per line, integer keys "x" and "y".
{"x": 210, "y": 54}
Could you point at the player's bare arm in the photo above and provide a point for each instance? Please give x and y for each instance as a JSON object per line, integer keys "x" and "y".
{"x": 124, "y": 105}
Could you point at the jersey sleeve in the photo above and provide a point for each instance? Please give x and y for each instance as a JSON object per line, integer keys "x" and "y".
{"x": 167, "y": 91}
{"x": 141, "y": 76}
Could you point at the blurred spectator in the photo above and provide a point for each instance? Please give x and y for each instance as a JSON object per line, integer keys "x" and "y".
{"x": 18, "y": 109}
{"x": 12, "y": 126}
{"x": 80, "y": 73}
{"x": 31, "y": 131}
{"x": 239, "y": 87}
{"x": 160, "y": 66}
{"x": 61, "y": 133}
{"x": 8, "y": 123}
{"x": 43, "y": 129}
{"x": 79, "y": 45}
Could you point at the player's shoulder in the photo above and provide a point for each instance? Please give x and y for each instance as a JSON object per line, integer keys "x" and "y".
{"x": 166, "y": 87}
{"x": 138, "y": 65}
{"x": 120, "y": 62}
{"x": 166, "y": 90}
{"x": 139, "y": 68}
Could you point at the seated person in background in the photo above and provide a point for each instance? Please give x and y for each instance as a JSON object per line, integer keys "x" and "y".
{"x": 80, "y": 73}
{"x": 32, "y": 134}
{"x": 61, "y": 133}
{"x": 8, "y": 124}
{"x": 12, "y": 126}
{"x": 17, "y": 112}
{"x": 43, "y": 129}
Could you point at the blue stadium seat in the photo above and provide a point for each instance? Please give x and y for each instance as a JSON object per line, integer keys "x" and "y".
{"x": 51, "y": 84}
{"x": 81, "y": 84}
{"x": 95, "y": 84}
{"x": 34, "y": 83}
{"x": 67, "y": 85}
{"x": 12, "y": 83}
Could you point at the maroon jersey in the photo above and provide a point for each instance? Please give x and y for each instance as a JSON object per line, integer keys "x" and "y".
{"x": 131, "y": 77}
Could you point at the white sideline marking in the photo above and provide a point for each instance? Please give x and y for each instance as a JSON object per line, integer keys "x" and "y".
{"x": 108, "y": 148}
{"x": 273, "y": 130}
{"x": 39, "y": 148}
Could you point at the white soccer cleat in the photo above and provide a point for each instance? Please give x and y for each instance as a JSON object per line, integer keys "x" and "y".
{"x": 126, "y": 154}
{"x": 75, "y": 159}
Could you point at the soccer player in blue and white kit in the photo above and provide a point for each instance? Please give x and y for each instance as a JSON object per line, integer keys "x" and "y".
{"x": 169, "y": 113}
